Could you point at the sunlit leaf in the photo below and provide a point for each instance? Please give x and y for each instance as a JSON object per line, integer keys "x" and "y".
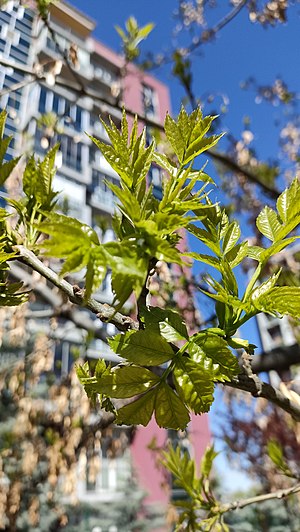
{"x": 194, "y": 384}
{"x": 170, "y": 412}
{"x": 142, "y": 347}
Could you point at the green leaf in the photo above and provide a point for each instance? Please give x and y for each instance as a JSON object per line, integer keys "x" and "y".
{"x": 138, "y": 412}
{"x": 165, "y": 321}
{"x": 235, "y": 256}
{"x": 170, "y": 412}
{"x": 7, "y": 167}
{"x": 129, "y": 269}
{"x": 275, "y": 452}
{"x": 207, "y": 259}
{"x": 207, "y": 461}
{"x": 199, "y": 146}
{"x": 193, "y": 384}
{"x": 231, "y": 237}
{"x": 277, "y": 247}
{"x": 265, "y": 287}
{"x": 175, "y": 137}
{"x": 182, "y": 468}
{"x": 255, "y": 253}
{"x": 280, "y": 300}
{"x": 83, "y": 372}
{"x": 142, "y": 347}
{"x": 164, "y": 162}
{"x": 206, "y": 237}
{"x": 288, "y": 204}
{"x": 96, "y": 268}
{"x": 212, "y": 352}
{"x": 186, "y": 135}
{"x": 125, "y": 381}
{"x": 269, "y": 224}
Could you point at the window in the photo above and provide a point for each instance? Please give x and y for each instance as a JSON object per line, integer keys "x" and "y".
{"x": 156, "y": 179}
{"x": 149, "y": 101}
{"x": 72, "y": 153}
{"x": 55, "y": 104}
{"x": 108, "y": 468}
{"x": 78, "y": 118}
{"x": 100, "y": 190}
{"x": 42, "y": 101}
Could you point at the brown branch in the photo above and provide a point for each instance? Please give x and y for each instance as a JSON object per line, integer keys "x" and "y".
{"x": 105, "y": 312}
{"x": 210, "y": 33}
{"x": 123, "y": 323}
{"x": 275, "y": 396}
{"x": 279, "y": 494}
{"x": 224, "y": 159}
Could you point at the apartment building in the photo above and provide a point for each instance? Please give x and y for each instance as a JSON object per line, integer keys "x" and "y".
{"x": 35, "y": 81}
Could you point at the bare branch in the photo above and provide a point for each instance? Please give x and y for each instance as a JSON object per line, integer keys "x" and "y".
{"x": 209, "y": 34}
{"x": 280, "y": 494}
{"x": 275, "y": 396}
{"x": 105, "y": 312}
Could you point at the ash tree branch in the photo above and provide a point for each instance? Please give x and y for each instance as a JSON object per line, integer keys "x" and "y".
{"x": 279, "y": 494}
{"x": 247, "y": 384}
{"x": 123, "y": 323}
{"x": 279, "y": 359}
{"x": 105, "y": 312}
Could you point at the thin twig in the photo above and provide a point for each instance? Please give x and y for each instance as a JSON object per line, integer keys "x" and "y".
{"x": 279, "y": 494}
{"x": 230, "y": 163}
{"x": 102, "y": 310}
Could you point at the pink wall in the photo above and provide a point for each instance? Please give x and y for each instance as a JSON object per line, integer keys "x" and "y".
{"x": 132, "y": 92}
{"x": 150, "y": 477}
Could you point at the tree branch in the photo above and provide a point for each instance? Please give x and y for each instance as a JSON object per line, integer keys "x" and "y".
{"x": 81, "y": 90}
{"x": 123, "y": 323}
{"x": 105, "y": 312}
{"x": 275, "y": 396}
{"x": 280, "y": 494}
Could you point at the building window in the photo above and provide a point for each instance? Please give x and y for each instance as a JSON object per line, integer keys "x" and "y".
{"x": 155, "y": 178}
{"x": 149, "y": 101}
{"x": 101, "y": 193}
{"x": 42, "y": 101}
{"x": 71, "y": 153}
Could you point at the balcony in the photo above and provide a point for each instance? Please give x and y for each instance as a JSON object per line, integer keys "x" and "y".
{"x": 102, "y": 200}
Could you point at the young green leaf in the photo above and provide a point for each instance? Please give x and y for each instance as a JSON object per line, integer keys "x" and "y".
{"x": 138, "y": 412}
{"x": 231, "y": 236}
{"x": 194, "y": 384}
{"x": 212, "y": 352}
{"x": 170, "y": 412}
{"x": 207, "y": 461}
{"x": 125, "y": 381}
{"x": 269, "y": 224}
{"x": 275, "y": 452}
{"x": 142, "y": 347}
{"x": 166, "y": 322}
{"x": 280, "y": 300}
